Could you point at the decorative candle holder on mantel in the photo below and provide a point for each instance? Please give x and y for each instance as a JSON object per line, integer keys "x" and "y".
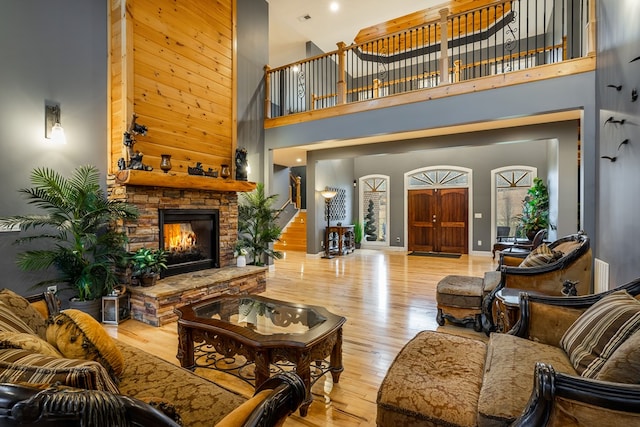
{"x": 224, "y": 171}
{"x": 165, "y": 162}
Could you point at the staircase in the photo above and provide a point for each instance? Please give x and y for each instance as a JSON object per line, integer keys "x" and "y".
{"x": 294, "y": 235}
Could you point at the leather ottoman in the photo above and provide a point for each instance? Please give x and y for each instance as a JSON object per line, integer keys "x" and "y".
{"x": 459, "y": 301}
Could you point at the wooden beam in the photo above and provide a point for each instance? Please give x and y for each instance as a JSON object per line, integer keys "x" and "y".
{"x": 181, "y": 181}
{"x": 419, "y": 18}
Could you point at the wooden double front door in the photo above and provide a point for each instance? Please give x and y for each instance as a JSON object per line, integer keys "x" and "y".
{"x": 438, "y": 220}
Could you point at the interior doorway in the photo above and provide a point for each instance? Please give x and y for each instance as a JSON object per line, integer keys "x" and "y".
{"x": 437, "y": 206}
{"x": 438, "y": 220}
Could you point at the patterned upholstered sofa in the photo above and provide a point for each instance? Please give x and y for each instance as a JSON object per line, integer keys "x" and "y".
{"x": 569, "y": 361}
{"x": 111, "y": 382}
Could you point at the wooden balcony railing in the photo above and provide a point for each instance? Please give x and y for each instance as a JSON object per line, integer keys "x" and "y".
{"x": 504, "y": 36}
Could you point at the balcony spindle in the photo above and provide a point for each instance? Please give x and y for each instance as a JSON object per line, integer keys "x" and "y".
{"x": 444, "y": 46}
{"x": 267, "y": 92}
{"x": 342, "y": 85}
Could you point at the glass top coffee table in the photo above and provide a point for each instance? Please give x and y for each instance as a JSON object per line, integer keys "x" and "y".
{"x": 254, "y": 337}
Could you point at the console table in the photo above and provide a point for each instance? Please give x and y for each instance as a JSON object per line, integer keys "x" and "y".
{"x": 341, "y": 239}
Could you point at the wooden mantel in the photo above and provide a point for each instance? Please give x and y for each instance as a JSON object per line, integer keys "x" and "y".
{"x": 182, "y": 181}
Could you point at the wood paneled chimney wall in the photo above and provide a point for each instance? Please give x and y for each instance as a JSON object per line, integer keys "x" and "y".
{"x": 172, "y": 63}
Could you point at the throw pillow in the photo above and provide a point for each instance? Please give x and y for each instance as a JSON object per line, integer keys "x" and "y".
{"x": 25, "y": 311}
{"x": 623, "y": 366}
{"x": 77, "y": 335}
{"x": 27, "y": 342}
{"x": 9, "y": 321}
{"x": 541, "y": 255}
{"x": 26, "y": 367}
{"x": 599, "y": 331}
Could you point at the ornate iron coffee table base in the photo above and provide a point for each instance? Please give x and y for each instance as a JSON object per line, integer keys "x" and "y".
{"x": 253, "y": 337}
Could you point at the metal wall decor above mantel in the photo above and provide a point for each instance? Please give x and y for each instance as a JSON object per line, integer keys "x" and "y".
{"x": 152, "y": 179}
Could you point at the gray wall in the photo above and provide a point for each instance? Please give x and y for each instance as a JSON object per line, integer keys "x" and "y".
{"x": 253, "y": 54}
{"x": 540, "y": 146}
{"x": 57, "y": 51}
{"x": 574, "y": 92}
{"x": 618, "y": 201}
{"x": 334, "y": 173}
{"x": 53, "y": 51}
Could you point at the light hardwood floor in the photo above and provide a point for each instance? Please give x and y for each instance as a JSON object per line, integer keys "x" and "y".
{"x": 386, "y": 296}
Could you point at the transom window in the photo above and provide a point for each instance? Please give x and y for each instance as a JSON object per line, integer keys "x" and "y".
{"x": 439, "y": 178}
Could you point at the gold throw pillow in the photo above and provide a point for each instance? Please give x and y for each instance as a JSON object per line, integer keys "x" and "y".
{"x": 77, "y": 335}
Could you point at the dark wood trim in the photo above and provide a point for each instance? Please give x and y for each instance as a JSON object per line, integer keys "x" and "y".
{"x": 549, "y": 385}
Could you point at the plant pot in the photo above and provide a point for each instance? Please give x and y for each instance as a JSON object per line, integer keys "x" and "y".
{"x": 241, "y": 261}
{"x": 148, "y": 280}
{"x": 531, "y": 234}
{"x": 91, "y": 307}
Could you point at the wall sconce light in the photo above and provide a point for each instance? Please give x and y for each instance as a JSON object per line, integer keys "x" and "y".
{"x": 53, "y": 131}
{"x": 328, "y": 195}
{"x": 355, "y": 183}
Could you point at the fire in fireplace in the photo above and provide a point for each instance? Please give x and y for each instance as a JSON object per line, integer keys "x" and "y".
{"x": 191, "y": 239}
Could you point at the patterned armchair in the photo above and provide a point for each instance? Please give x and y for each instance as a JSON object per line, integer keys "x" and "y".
{"x": 572, "y": 265}
{"x": 569, "y": 361}
{"x": 561, "y": 397}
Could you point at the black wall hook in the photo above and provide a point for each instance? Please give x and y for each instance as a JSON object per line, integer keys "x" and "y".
{"x": 612, "y": 159}
{"x": 618, "y": 87}
{"x": 634, "y": 59}
{"x": 625, "y": 142}
{"x": 614, "y": 121}
{"x": 634, "y": 95}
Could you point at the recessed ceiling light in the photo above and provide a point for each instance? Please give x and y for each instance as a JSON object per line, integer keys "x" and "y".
{"x": 298, "y": 160}
{"x": 334, "y": 6}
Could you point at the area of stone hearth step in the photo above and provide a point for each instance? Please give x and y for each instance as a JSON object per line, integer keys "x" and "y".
{"x": 155, "y": 305}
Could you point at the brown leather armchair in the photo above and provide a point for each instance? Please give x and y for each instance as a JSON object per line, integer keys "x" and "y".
{"x": 572, "y": 270}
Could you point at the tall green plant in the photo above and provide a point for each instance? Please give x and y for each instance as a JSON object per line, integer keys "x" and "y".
{"x": 257, "y": 227}
{"x": 535, "y": 208}
{"x": 80, "y": 225}
{"x": 357, "y": 232}
{"x": 369, "y": 223}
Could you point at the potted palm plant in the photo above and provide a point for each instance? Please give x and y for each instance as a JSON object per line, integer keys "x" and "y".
{"x": 257, "y": 226}
{"x": 146, "y": 265}
{"x": 82, "y": 228}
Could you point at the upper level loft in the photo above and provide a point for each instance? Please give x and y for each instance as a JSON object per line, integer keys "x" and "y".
{"x": 500, "y": 43}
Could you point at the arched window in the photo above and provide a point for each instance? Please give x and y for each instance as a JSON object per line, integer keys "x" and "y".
{"x": 374, "y": 209}
{"x": 510, "y": 185}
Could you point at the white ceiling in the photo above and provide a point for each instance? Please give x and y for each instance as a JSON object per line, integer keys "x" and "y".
{"x": 288, "y": 34}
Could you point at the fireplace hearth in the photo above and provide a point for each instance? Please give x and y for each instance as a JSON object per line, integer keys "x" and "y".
{"x": 191, "y": 238}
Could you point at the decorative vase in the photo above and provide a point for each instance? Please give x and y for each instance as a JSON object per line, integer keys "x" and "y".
{"x": 224, "y": 171}
{"x": 241, "y": 261}
{"x": 165, "y": 162}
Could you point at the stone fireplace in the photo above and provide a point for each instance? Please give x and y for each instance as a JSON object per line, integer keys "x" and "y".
{"x": 190, "y": 238}
{"x": 203, "y": 206}
{"x": 201, "y": 226}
